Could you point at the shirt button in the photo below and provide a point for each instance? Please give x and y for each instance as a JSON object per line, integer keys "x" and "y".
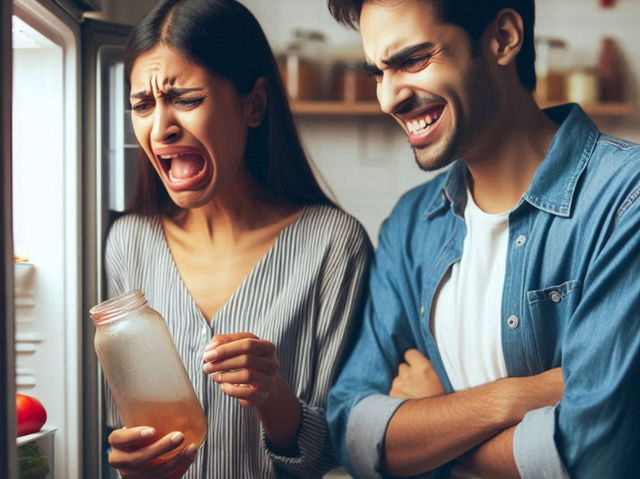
{"x": 422, "y": 310}
{"x": 555, "y": 296}
{"x": 520, "y": 240}
{"x": 513, "y": 321}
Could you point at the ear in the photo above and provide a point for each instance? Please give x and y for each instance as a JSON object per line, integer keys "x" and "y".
{"x": 255, "y": 103}
{"x": 507, "y": 35}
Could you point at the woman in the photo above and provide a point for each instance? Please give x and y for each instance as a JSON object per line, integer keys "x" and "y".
{"x": 232, "y": 240}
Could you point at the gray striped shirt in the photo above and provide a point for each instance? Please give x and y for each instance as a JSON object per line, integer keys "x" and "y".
{"x": 302, "y": 296}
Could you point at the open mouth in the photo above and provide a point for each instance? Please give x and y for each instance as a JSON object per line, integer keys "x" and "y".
{"x": 183, "y": 170}
{"x": 421, "y": 127}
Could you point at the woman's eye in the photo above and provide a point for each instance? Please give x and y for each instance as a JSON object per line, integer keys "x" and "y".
{"x": 416, "y": 64}
{"x": 141, "y": 107}
{"x": 189, "y": 102}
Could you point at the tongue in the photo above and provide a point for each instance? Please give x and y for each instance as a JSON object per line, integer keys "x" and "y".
{"x": 185, "y": 166}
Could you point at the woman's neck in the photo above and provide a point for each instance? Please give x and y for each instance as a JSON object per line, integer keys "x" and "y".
{"x": 236, "y": 210}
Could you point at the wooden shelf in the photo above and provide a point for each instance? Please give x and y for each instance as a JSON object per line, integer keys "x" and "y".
{"x": 339, "y": 108}
{"x": 372, "y": 108}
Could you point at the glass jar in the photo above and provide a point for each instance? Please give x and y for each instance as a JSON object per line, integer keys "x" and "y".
{"x": 144, "y": 370}
{"x": 582, "y": 86}
{"x": 551, "y": 66}
{"x": 352, "y": 83}
{"x": 301, "y": 65}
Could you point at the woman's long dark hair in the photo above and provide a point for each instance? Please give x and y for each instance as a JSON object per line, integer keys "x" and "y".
{"x": 226, "y": 39}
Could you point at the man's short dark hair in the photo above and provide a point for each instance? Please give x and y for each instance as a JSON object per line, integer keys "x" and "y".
{"x": 473, "y": 16}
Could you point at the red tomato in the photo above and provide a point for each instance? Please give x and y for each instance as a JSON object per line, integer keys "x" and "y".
{"x": 31, "y": 414}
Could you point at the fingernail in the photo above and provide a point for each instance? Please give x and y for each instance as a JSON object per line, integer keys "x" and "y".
{"x": 211, "y": 355}
{"x": 177, "y": 437}
{"x": 217, "y": 377}
{"x": 147, "y": 432}
{"x": 190, "y": 450}
{"x": 212, "y": 345}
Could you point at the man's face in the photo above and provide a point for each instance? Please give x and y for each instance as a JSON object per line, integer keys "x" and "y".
{"x": 443, "y": 97}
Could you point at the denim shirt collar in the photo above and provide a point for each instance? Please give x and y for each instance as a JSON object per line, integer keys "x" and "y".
{"x": 554, "y": 182}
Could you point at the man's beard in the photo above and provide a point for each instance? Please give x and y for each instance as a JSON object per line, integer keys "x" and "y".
{"x": 429, "y": 159}
{"x": 482, "y": 108}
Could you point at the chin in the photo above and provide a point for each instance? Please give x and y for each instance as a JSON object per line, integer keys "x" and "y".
{"x": 187, "y": 200}
{"x": 428, "y": 159}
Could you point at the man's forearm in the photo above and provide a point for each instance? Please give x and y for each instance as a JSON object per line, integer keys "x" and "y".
{"x": 493, "y": 458}
{"x": 424, "y": 434}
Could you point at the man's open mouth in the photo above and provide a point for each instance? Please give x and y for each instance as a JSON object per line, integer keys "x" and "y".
{"x": 419, "y": 126}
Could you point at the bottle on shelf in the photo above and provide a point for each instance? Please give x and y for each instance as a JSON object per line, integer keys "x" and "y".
{"x": 551, "y": 76}
{"x": 610, "y": 70}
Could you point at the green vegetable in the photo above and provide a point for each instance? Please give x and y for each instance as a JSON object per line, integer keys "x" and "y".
{"x": 32, "y": 462}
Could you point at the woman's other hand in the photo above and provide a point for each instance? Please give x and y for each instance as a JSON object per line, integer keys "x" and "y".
{"x": 416, "y": 378}
{"x": 133, "y": 451}
{"x": 244, "y": 366}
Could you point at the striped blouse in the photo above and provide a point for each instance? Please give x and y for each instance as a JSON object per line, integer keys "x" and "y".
{"x": 302, "y": 296}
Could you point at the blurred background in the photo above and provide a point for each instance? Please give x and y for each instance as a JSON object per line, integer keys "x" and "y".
{"x": 363, "y": 155}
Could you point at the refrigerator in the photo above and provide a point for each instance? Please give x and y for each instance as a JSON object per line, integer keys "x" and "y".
{"x": 68, "y": 159}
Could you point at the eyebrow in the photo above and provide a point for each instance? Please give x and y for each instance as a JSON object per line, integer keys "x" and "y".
{"x": 171, "y": 92}
{"x": 398, "y": 57}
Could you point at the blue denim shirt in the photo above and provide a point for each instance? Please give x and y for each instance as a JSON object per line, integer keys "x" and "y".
{"x": 571, "y": 298}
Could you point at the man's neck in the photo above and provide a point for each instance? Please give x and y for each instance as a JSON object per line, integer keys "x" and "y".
{"x": 502, "y": 166}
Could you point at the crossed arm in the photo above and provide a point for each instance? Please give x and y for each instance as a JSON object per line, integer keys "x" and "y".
{"x": 475, "y": 426}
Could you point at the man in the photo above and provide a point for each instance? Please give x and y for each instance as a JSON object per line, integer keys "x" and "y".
{"x": 520, "y": 259}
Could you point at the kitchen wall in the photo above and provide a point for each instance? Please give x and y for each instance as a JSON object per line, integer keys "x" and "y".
{"x": 366, "y": 161}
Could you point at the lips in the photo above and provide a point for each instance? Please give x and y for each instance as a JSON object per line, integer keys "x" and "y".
{"x": 421, "y": 126}
{"x": 183, "y": 167}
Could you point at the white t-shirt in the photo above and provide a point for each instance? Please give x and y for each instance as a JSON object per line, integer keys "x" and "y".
{"x": 467, "y": 309}
{"x": 465, "y": 319}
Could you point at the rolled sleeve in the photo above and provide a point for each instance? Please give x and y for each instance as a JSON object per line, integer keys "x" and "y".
{"x": 534, "y": 447}
{"x": 366, "y": 429}
{"x": 311, "y": 442}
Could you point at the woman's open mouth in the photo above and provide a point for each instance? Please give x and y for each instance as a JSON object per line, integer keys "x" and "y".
{"x": 184, "y": 168}
{"x": 421, "y": 129}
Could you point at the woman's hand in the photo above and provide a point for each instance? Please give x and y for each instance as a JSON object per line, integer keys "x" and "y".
{"x": 134, "y": 450}
{"x": 244, "y": 366}
{"x": 416, "y": 378}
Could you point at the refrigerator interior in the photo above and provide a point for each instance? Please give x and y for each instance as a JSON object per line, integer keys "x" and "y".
{"x": 46, "y": 226}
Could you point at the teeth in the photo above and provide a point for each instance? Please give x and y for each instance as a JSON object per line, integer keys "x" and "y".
{"x": 174, "y": 155}
{"x": 417, "y": 125}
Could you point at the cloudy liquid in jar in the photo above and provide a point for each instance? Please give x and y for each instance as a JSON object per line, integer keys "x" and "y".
{"x": 168, "y": 416}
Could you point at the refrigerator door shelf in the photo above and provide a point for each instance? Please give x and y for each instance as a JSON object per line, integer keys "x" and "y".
{"x": 24, "y": 285}
{"x": 44, "y": 439}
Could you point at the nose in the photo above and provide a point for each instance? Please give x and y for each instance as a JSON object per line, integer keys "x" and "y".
{"x": 392, "y": 92}
{"x": 165, "y": 127}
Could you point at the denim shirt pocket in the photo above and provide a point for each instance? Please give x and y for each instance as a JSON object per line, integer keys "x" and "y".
{"x": 550, "y": 309}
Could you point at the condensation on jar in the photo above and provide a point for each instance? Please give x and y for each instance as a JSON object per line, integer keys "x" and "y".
{"x": 144, "y": 370}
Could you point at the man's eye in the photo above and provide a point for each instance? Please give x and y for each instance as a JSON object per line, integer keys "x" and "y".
{"x": 377, "y": 77}
{"x": 416, "y": 64}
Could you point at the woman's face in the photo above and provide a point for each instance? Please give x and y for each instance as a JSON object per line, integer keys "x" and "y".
{"x": 191, "y": 123}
